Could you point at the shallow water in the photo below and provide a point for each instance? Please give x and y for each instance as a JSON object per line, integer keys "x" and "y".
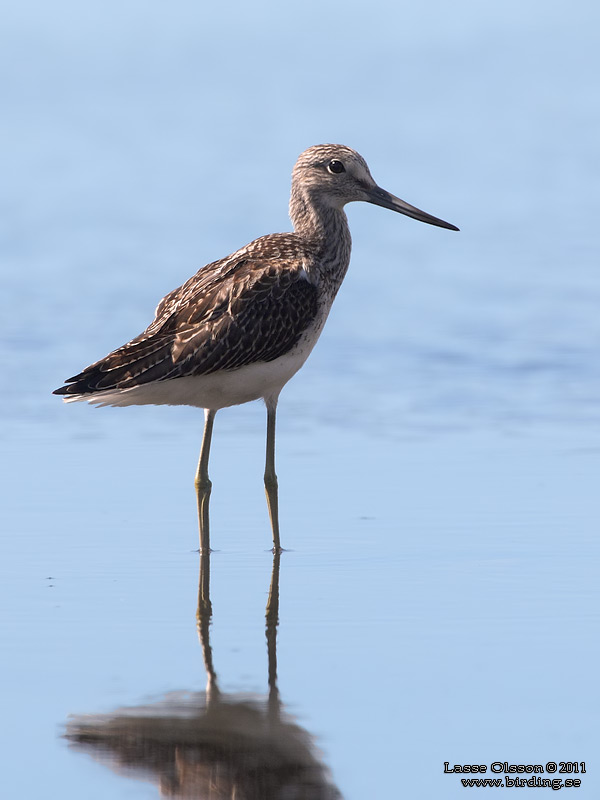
{"x": 438, "y": 455}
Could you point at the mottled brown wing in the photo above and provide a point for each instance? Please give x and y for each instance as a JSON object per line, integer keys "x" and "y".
{"x": 262, "y": 318}
{"x": 232, "y": 315}
{"x": 203, "y": 283}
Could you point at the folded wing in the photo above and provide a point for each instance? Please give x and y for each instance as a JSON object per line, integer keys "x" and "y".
{"x": 232, "y": 313}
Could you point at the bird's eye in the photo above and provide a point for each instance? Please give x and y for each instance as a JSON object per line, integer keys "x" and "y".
{"x": 336, "y": 167}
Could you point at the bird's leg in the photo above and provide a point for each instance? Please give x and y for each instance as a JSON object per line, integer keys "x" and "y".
{"x": 202, "y": 481}
{"x": 270, "y": 476}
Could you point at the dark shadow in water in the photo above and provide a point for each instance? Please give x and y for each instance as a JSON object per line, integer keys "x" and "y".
{"x": 212, "y": 744}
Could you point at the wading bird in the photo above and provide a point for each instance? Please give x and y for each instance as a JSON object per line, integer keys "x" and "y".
{"x": 241, "y": 327}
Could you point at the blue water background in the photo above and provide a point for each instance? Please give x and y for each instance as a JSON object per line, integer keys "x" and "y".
{"x": 439, "y": 453}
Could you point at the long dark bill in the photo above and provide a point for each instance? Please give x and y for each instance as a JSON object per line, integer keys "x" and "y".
{"x": 382, "y": 198}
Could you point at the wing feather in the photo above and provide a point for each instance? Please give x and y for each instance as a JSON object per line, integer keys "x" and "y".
{"x": 238, "y": 311}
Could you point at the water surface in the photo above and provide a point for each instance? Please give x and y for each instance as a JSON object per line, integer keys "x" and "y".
{"x": 438, "y": 455}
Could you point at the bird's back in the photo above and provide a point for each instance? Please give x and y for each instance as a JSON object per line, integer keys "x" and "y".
{"x": 251, "y": 307}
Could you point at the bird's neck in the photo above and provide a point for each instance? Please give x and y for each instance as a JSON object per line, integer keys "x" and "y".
{"x": 326, "y": 229}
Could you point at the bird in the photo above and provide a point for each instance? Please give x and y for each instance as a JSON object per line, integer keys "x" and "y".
{"x": 242, "y": 326}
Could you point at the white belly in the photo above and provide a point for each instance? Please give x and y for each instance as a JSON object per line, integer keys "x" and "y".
{"x": 217, "y": 390}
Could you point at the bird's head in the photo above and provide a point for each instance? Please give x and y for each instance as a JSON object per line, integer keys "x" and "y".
{"x": 333, "y": 175}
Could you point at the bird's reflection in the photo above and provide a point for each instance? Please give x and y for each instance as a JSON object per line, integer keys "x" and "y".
{"x": 213, "y": 744}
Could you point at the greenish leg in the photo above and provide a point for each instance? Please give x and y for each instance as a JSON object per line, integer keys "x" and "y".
{"x": 202, "y": 481}
{"x": 270, "y": 476}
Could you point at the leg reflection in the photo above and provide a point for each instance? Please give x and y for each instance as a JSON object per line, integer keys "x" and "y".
{"x": 203, "y": 623}
{"x": 203, "y": 620}
{"x": 272, "y": 617}
{"x": 213, "y": 744}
